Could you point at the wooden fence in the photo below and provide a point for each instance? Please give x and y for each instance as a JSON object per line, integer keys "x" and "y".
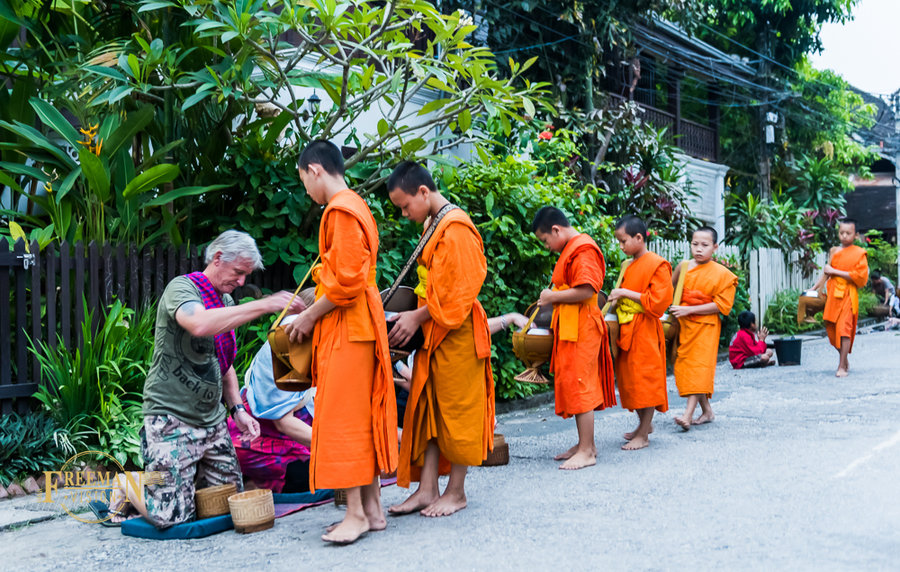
{"x": 770, "y": 274}
{"x": 46, "y": 290}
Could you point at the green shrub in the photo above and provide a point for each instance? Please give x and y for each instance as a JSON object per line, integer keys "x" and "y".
{"x": 93, "y": 390}
{"x": 781, "y": 314}
{"x": 30, "y": 445}
{"x": 882, "y": 255}
{"x": 867, "y": 302}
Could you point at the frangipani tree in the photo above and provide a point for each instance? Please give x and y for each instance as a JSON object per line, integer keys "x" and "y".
{"x": 365, "y": 56}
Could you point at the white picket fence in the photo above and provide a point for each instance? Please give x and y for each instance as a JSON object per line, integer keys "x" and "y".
{"x": 770, "y": 274}
{"x": 673, "y": 250}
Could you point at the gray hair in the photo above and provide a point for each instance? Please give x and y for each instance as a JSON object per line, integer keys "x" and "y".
{"x": 234, "y": 244}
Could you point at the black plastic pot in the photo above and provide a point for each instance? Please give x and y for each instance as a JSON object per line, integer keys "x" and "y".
{"x": 788, "y": 350}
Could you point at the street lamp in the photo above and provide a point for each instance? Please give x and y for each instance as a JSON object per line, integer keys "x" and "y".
{"x": 313, "y": 102}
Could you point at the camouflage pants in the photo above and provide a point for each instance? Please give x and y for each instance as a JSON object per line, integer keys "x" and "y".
{"x": 189, "y": 458}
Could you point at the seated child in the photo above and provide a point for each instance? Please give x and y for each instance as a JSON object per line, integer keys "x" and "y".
{"x": 279, "y": 458}
{"x": 747, "y": 349}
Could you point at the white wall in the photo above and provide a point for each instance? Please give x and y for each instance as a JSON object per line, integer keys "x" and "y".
{"x": 708, "y": 181}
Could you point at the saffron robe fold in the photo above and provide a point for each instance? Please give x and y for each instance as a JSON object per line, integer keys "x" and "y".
{"x": 354, "y": 431}
{"x": 641, "y": 365}
{"x": 698, "y": 337}
{"x": 842, "y": 304}
{"x": 581, "y": 363}
{"x": 451, "y": 396}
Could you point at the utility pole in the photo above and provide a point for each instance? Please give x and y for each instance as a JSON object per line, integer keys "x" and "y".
{"x": 765, "y": 167}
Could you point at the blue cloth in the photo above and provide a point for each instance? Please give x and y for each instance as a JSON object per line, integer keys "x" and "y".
{"x": 265, "y": 400}
{"x": 141, "y": 528}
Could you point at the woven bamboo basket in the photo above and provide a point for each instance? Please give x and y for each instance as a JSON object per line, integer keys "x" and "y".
{"x": 252, "y": 511}
{"x": 500, "y": 454}
{"x": 340, "y": 497}
{"x": 213, "y": 501}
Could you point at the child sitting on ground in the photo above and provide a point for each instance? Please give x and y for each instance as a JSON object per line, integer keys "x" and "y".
{"x": 748, "y": 349}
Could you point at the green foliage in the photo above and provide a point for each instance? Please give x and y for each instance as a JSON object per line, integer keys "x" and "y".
{"x": 882, "y": 255}
{"x": 106, "y": 194}
{"x": 781, "y": 315}
{"x": 358, "y": 54}
{"x": 753, "y": 223}
{"x": 574, "y": 41}
{"x": 31, "y": 444}
{"x": 94, "y": 389}
{"x": 867, "y": 302}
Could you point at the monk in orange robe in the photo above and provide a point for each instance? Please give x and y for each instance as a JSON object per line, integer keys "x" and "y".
{"x": 847, "y": 271}
{"x": 354, "y": 432}
{"x": 449, "y": 417}
{"x": 581, "y": 362}
{"x": 640, "y": 301}
{"x": 709, "y": 290}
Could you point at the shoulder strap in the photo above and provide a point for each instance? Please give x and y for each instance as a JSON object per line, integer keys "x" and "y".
{"x": 426, "y": 236}
{"x": 625, "y": 265}
{"x": 297, "y": 291}
{"x": 679, "y": 286}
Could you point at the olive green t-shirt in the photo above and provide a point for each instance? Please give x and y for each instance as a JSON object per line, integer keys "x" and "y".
{"x": 184, "y": 380}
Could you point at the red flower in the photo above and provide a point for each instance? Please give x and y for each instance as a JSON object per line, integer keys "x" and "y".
{"x": 545, "y": 135}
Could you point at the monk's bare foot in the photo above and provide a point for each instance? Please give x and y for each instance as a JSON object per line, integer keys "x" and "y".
{"x": 705, "y": 418}
{"x": 637, "y": 442}
{"x": 447, "y": 504}
{"x": 579, "y": 460}
{"x": 416, "y": 502}
{"x": 630, "y": 435}
{"x": 683, "y": 423}
{"x": 841, "y": 373}
{"x": 375, "y": 525}
{"x": 567, "y": 454}
{"x": 348, "y": 531}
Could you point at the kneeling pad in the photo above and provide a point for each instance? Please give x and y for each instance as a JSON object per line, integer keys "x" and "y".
{"x": 141, "y": 528}
{"x": 303, "y": 498}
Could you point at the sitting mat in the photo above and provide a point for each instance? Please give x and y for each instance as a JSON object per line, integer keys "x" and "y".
{"x": 141, "y": 528}
{"x": 289, "y": 503}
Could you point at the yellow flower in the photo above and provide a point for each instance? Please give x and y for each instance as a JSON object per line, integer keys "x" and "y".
{"x": 48, "y": 187}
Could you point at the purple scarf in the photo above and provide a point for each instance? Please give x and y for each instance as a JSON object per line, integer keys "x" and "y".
{"x": 226, "y": 342}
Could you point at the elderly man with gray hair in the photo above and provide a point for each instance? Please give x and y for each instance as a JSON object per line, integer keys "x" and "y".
{"x": 185, "y": 439}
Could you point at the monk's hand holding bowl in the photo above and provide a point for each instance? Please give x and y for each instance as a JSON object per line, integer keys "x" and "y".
{"x": 405, "y": 325}
{"x": 547, "y": 298}
{"x": 681, "y": 311}
{"x": 301, "y": 327}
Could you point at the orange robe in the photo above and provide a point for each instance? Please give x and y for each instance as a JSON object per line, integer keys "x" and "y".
{"x": 842, "y": 305}
{"x": 354, "y": 432}
{"x": 451, "y": 397}
{"x": 581, "y": 363}
{"x": 641, "y": 365}
{"x": 698, "y": 336}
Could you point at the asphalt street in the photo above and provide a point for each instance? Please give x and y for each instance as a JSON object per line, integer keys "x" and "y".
{"x": 799, "y": 471}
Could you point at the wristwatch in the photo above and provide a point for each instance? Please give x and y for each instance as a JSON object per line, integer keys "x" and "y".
{"x": 235, "y": 408}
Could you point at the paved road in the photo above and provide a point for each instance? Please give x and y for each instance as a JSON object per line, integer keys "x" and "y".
{"x": 799, "y": 471}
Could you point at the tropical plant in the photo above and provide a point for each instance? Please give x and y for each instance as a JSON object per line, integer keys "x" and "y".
{"x": 781, "y": 314}
{"x": 363, "y": 55}
{"x": 882, "y": 255}
{"x": 104, "y": 194}
{"x": 30, "y": 444}
{"x": 93, "y": 390}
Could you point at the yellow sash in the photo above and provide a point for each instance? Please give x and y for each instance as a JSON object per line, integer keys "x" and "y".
{"x": 626, "y": 310}
{"x": 422, "y": 286}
